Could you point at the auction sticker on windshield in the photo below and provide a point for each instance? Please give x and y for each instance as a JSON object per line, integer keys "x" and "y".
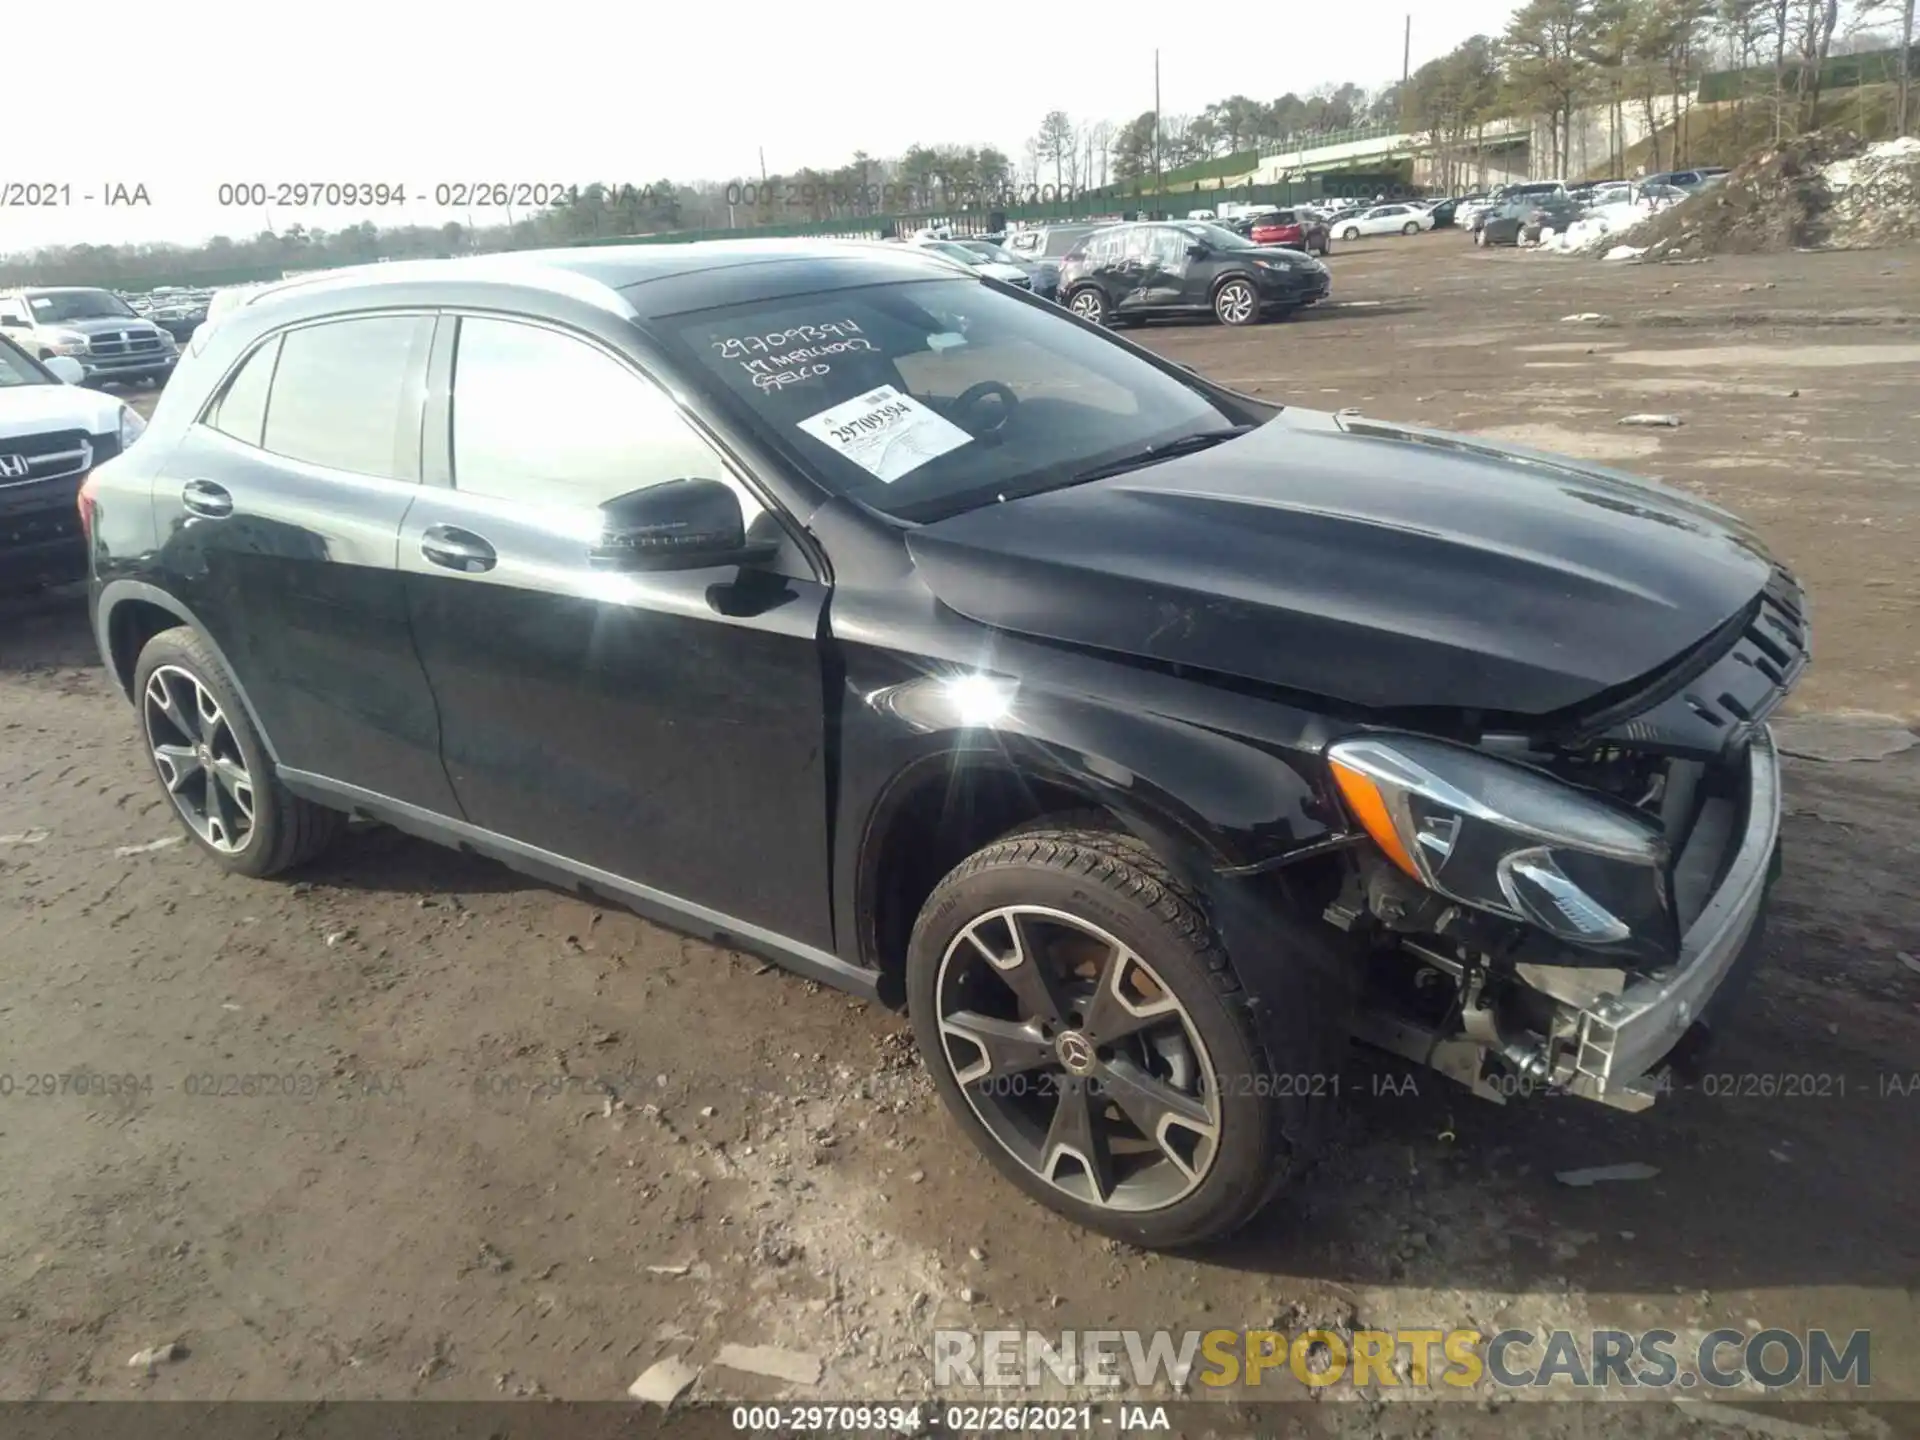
{"x": 886, "y": 433}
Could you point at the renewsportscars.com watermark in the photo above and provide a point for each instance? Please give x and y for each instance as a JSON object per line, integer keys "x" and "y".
{"x": 1418, "y": 1359}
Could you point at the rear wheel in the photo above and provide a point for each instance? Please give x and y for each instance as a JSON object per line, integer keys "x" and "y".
{"x": 1082, "y": 1023}
{"x": 1235, "y": 303}
{"x": 1089, "y": 302}
{"x": 1412, "y": 227}
{"x": 213, "y": 766}
{"x": 1350, "y": 233}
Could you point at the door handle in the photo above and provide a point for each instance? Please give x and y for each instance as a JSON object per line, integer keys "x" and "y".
{"x": 455, "y": 549}
{"x": 206, "y": 499}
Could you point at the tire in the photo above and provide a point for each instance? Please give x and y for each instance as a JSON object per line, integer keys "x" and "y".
{"x": 1236, "y": 302}
{"x": 1350, "y": 234}
{"x": 1089, "y": 302}
{"x": 283, "y": 830}
{"x": 1113, "y": 891}
{"x": 1412, "y": 227}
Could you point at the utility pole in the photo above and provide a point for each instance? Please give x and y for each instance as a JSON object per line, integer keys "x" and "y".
{"x": 1406, "y": 54}
{"x": 1156, "y": 122}
{"x": 763, "y": 167}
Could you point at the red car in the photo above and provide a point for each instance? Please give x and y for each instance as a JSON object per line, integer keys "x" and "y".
{"x": 1295, "y": 229}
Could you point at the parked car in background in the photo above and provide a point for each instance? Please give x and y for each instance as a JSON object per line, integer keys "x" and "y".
{"x": 1399, "y": 219}
{"x": 1040, "y": 280}
{"x": 1145, "y": 741}
{"x": 94, "y": 327}
{"x": 1522, "y": 219}
{"x": 1688, "y": 180}
{"x": 52, "y": 433}
{"x": 1008, "y": 271}
{"x": 1045, "y": 246}
{"x": 179, "y": 318}
{"x": 1445, "y": 211}
{"x": 1299, "y": 229}
{"x": 1148, "y": 270}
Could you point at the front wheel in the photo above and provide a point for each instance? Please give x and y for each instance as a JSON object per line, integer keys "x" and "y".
{"x": 1090, "y": 304}
{"x": 1234, "y": 303}
{"x": 1083, "y": 1025}
{"x": 213, "y": 766}
{"x": 1412, "y": 227}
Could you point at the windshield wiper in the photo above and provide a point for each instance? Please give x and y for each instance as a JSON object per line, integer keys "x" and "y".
{"x": 1166, "y": 450}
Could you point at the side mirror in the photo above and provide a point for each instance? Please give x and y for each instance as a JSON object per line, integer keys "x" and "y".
{"x": 12, "y": 322}
{"x": 676, "y": 525}
{"x": 65, "y": 368}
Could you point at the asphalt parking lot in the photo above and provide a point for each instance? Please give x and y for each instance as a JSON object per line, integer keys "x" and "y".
{"x": 503, "y": 1142}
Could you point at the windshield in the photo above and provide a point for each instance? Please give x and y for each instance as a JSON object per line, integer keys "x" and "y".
{"x": 50, "y": 307}
{"x": 956, "y": 252}
{"x": 17, "y": 369}
{"x": 1218, "y": 236}
{"x": 991, "y": 251}
{"x": 924, "y": 398}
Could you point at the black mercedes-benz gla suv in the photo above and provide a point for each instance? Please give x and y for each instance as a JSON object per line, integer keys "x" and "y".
{"x": 1146, "y": 741}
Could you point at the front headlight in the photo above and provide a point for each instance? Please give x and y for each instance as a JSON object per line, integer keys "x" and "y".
{"x": 67, "y": 342}
{"x": 132, "y": 427}
{"x": 1512, "y": 841}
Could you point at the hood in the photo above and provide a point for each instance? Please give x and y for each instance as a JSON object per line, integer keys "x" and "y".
{"x": 1000, "y": 270}
{"x": 36, "y": 409}
{"x": 108, "y": 325}
{"x": 1384, "y": 567}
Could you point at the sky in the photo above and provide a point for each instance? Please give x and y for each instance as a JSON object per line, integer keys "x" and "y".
{"x": 410, "y": 94}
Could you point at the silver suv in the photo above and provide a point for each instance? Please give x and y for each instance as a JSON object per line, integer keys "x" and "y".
{"x": 95, "y": 327}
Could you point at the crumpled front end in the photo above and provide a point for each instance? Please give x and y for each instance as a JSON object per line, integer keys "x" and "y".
{"x": 1591, "y": 949}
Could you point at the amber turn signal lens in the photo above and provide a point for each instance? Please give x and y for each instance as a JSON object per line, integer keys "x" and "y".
{"x": 1369, "y": 807}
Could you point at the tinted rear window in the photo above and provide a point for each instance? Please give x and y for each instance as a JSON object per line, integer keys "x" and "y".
{"x": 347, "y": 395}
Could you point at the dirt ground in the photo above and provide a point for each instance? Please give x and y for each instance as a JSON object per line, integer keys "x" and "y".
{"x": 517, "y": 1145}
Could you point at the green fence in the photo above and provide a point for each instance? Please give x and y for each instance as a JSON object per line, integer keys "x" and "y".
{"x": 1842, "y": 72}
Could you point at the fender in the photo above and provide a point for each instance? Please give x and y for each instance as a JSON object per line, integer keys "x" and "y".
{"x": 116, "y": 593}
{"x": 1233, "y": 805}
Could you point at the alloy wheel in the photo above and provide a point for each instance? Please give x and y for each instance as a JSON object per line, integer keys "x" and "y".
{"x": 1234, "y": 304}
{"x": 199, "y": 758}
{"x": 1078, "y": 1059}
{"x": 1087, "y": 305}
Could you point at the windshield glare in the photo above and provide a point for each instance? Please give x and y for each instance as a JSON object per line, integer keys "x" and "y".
{"x": 17, "y": 369}
{"x": 53, "y": 306}
{"x": 924, "y": 398}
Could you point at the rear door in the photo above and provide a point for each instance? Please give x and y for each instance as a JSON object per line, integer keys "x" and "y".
{"x": 278, "y": 519}
{"x": 666, "y": 727}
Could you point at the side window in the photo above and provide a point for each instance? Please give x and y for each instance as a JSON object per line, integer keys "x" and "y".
{"x": 347, "y": 394}
{"x": 1169, "y": 250}
{"x": 241, "y": 410}
{"x": 12, "y": 312}
{"x": 544, "y": 419}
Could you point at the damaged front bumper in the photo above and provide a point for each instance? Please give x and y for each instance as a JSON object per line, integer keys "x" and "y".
{"x": 1609, "y": 1035}
{"x": 1619, "y": 1042}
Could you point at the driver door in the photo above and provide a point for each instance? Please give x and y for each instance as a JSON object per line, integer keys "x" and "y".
{"x": 665, "y": 727}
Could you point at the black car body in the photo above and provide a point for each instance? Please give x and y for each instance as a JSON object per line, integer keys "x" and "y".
{"x": 1043, "y": 278}
{"x": 1149, "y": 270}
{"x": 1145, "y": 739}
{"x": 1514, "y": 221}
{"x": 52, "y": 433}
